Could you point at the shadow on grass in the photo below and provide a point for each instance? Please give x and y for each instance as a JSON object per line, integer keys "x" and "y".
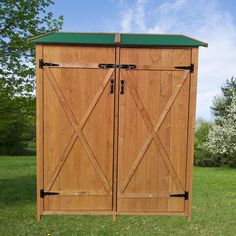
{"x": 20, "y": 190}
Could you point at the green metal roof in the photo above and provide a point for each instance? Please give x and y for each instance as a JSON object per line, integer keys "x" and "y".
{"x": 125, "y": 39}
{"x": 76, "y": 38}
{"x": 158, "y": 40}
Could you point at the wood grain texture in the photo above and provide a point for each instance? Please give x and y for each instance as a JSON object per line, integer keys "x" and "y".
{"x": 110, "y": 213}
{"x": 148, "y": 136}
{"x": 39, "y": 126}
{"x": 153, "y": 132}
{"x": 112, "y": 153}
{"x": 191, "y": 130}
{"x": 78, "y": 108}
{"x": 115, "y": 130}
{"x": 157, "y": 140}
{"x": 78, "y": 128}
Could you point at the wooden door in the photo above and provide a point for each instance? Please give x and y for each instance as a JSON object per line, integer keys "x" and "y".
{"x": 77, "y": 126}
{"x": 153, "y": 130}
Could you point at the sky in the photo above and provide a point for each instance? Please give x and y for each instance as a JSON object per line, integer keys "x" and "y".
{"x": 211, "y": 21}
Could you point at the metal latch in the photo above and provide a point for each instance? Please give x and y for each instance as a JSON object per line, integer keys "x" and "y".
{"x": 106, "y": 66}
{"x": 119, "y": 66}
{"x": 127, "y": 66}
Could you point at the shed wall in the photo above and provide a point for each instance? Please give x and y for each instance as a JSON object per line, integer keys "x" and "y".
{"x": 78, "y": 160}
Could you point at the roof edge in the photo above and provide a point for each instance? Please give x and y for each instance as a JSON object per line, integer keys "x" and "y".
{"x": 118, "y": 35}
{"x": 42, "y": 35}
{"x": 204, "y": 43}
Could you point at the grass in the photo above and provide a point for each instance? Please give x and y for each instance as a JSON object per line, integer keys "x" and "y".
{"x": 213, "y": 211}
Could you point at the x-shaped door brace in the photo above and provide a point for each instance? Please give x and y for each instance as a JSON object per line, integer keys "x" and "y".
{"x": 78, "y": 130}
{"x": 153, "y": 132}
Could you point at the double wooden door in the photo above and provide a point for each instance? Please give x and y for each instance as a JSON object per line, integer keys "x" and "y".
{"x": 113, "y": 139}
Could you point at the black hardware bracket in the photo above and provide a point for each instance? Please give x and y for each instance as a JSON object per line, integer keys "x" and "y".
{"x": 190, "y": 68}
{"x": 42, "y": 64}
{"x": 127, "y": 66}
{"x": 106, "y": 66}
{"x": 185, "y": 195}
{"x": 42, "y": 193}
{"x": 112, "y": 85}
{"x": 122, "y": 86}
{"x": 119, "y": 66}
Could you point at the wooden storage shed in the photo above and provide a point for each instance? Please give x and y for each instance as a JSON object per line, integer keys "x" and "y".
{"x": 115, "y": 123}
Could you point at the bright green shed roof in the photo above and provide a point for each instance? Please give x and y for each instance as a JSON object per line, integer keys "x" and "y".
{"x": 115, "y": 38}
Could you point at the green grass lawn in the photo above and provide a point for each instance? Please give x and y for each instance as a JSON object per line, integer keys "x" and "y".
{"x": 213, "y": 211}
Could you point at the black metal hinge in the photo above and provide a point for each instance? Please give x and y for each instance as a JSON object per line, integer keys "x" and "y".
{"x": 42, "y": 64}
{"x": 190, "y": 68}
{"x": 127, "y": 66}
{"x": 185, "y": 195}
{"x": 122, "y": 66}
{"x": 42, "y": 193}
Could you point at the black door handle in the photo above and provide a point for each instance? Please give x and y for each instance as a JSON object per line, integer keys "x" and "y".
{"x": 122, "y": 86}
{"x": 112, "y": 85}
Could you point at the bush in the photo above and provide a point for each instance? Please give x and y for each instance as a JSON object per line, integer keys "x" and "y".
{"x": 221, "y": 138}
{"x": 202, "y": 155}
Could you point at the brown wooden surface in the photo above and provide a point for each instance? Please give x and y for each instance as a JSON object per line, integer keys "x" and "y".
{"x": 173, "y": 213}
{"x": 153, "y": 131}
{"x": 78, "y": 130}
{"x": 115, "y": 135}
{"x": 39, "y": 125}
{"x": 115, "y": 153}
{"x": 191, "y": 129}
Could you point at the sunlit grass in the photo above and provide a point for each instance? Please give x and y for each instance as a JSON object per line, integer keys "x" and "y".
{"x": 213, "y": 211}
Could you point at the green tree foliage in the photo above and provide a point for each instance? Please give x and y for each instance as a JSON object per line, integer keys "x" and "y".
{"x": 17, "y": 122}
{"x": 202, "y": 155}
{"x": 224, "y": 100}
{"x": 20, "y": 20}
{"x": 222, "y": 137}
{"x": 215, "y": 143}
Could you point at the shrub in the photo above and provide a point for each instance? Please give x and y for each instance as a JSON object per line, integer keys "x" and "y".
{"x": 202, "y": 155}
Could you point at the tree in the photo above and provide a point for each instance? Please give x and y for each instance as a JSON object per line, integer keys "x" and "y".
{"x": 223, "y": 101}
{"x": 202, "y": 155}
{"x": 221, "y": 139}
{"x": 222, "y": 136}
{"x": 19, "y": 21}
{"x": 17, "y": 122}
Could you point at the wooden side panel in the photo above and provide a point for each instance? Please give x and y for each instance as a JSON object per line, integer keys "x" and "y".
{"x": 145, "y": 179}
{"x": 39, "y": 125}
{"x": 78, "y": 129}
{"x": 191, "y": 129}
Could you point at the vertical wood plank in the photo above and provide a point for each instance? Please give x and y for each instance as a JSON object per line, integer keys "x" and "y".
{"x": 191, "y": 129}
{"x": 179, "y": 124}
{"x": 154, "y": 113}
{"x": 130, "y": 128}
{"x": 165, "y": 132}
{"x": 39, "y": 127}
{"x": 142, "y": 83}
{"x": 115, "y": 134}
